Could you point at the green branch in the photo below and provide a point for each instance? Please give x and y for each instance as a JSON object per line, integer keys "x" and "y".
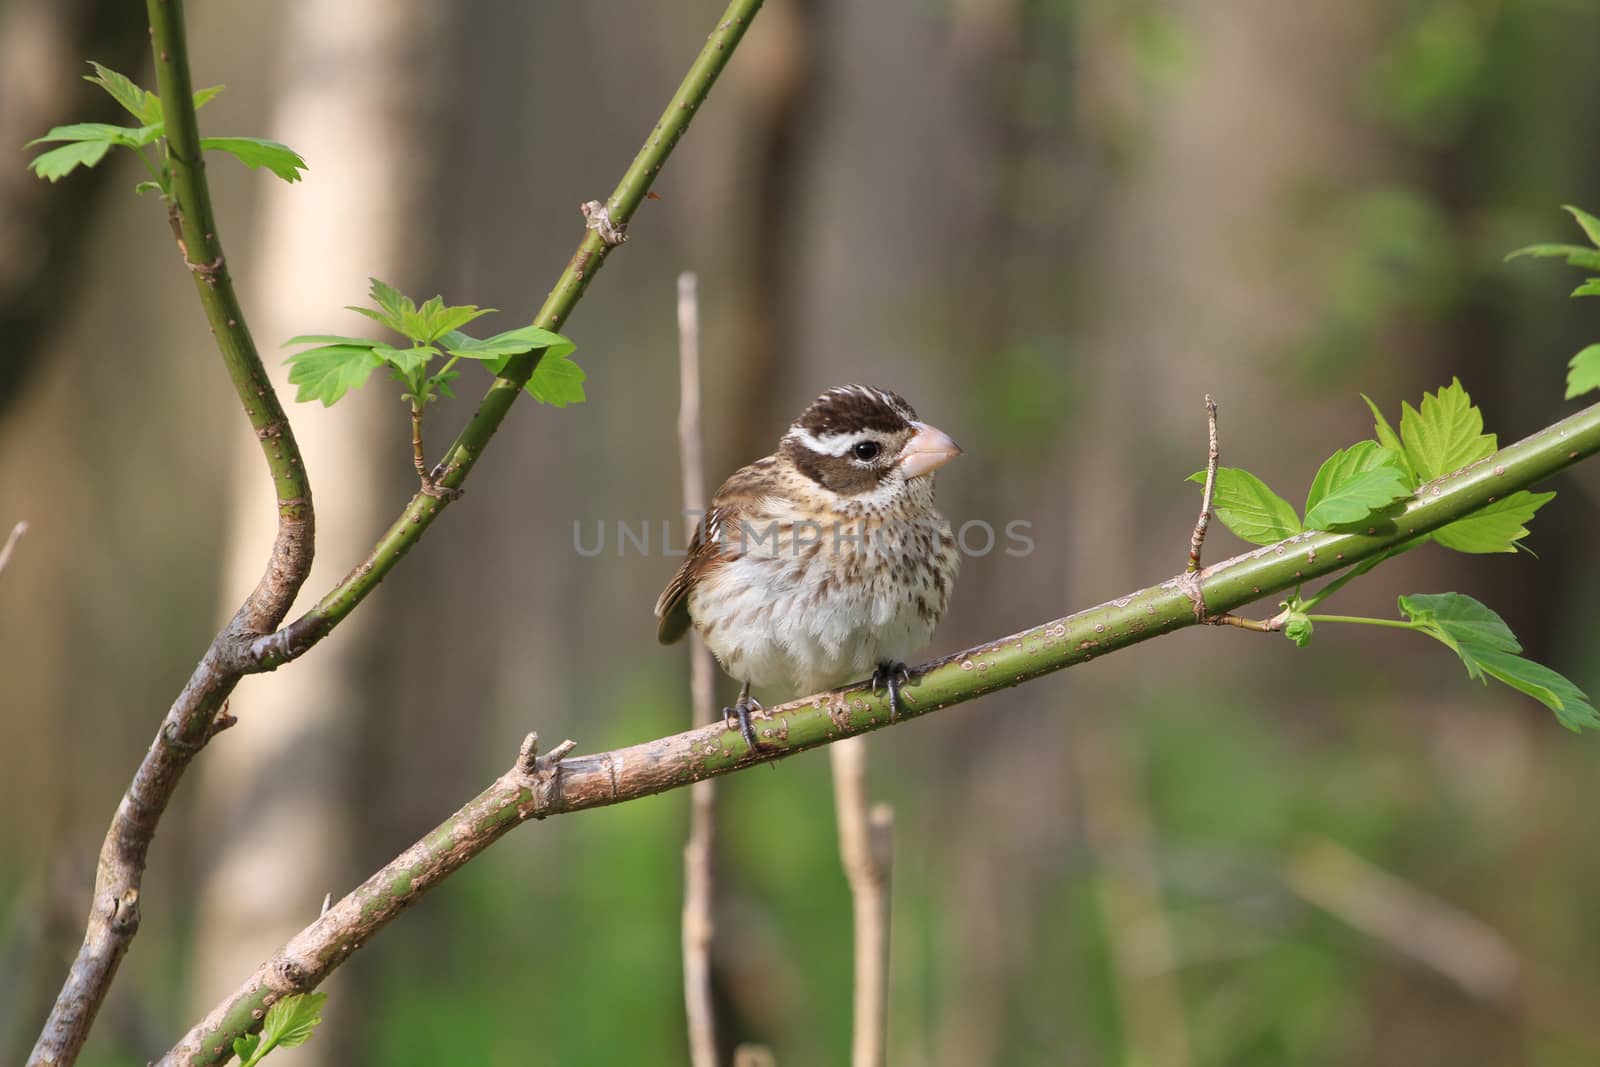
{"x": 536, "y": 788}
{"x": 607, "y": 227}
{"x": 196, "y": 715}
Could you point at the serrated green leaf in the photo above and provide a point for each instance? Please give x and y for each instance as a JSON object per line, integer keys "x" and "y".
{"x": 382, "y": 317}
{"x": 202, "y": 97}
{"x": 1247, "y": 507}
{"x": 448, "y": 320}
{"x": 1461, "y": 621}
{"x": 136, "y": 101}
{"x": 1487, "y": 646}
{"x": 1495, "y": 527}
{"x": 1584, "y": 374}
{"x": 327, "y": 373}
{"x": 1353, "y": 483}
{"x": 59, "y": 162}
{"x": 1590, "y": 224}
{"x": 245, "y": 1047}
{"x": 405, "y": 360}
{"x": 1445, "y": 434}
{"x": 502, "y": 346}
{"x": 87, "y": 131}
{"x": 290, "y": 1021}
{"x": 442, "y": 380}
{"x": 1576, "y": 255}
{"x": 329, "y": 339}
{"x": 255, "y": 152}
{"x": 557, "y": 381}
{"x": 1390, "y": 440}
{"x": 1550, "y": 688}
{"x": 389, "y": 298}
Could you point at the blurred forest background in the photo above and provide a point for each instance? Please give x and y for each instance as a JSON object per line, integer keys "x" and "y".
{"x": 1053, "y": 225}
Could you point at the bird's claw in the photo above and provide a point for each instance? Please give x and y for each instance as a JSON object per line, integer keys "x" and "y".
{"x": 890, "y": 676}
{"x": 741, "y": 711}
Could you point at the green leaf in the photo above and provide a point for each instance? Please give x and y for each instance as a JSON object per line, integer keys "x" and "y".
{"x": 1590, "y": 224}
{"x": 405, "y": 360}
{"x": 255, "y": 152}
{"x": 1588, "y": 288}
{"x": 1576, "y": 255}
{"x": 1585, "y": 372}
{"x": 1248, "y": 508}
{"x": 557, "y": 381}
{"x": 1389, "y": 439}
{"x": 442, "y": 380}
{"x": 1352, "y": 484}
{"x": 290, "y": 1021}
{"x": 327, "y": 373}
{"x": 1487, "y": 646}
{"x": 389, "y": 298}
{"x": 1550, "y": 688}
{"x": 1445, "y": 434}
{"x": 1495, "y": 527}
{"x": 140, "y": 103}
{"x": 502, "y": 346}
{"x": 1460, "y": 621}
{"x": 449, "y": 320}
{"x": 381, "y": 316}
{"x": 202, "y": 97}
{"x": 329, "y": 339}
{"x": 245, "y": 1047}
{"x": 59, "y": 162}
{"x": 94, "y": 131}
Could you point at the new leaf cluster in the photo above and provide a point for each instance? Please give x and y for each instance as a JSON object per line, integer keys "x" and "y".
{"x": 1367, "y": 485}
{"x": 1583, "y": 373}
{"x": 88, "y": 142}
{"x": 338, "y": 363}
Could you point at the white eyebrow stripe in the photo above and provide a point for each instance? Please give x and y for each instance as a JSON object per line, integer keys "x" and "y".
{"x": 833, "y": 444}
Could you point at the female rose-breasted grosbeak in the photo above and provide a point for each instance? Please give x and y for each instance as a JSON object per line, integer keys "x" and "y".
{"x": 825, "y": 560}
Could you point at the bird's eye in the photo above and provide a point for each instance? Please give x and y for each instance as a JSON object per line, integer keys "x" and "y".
{"x": 866, "y": 450}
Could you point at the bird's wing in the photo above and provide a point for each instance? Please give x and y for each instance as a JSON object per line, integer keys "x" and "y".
{"x": 705, "y": 551}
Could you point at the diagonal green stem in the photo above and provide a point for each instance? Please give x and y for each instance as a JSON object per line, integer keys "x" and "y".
{"x": 293, "y": 640}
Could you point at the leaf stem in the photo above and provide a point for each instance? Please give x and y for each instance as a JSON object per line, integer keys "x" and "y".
{"x": 1398, "y": 624}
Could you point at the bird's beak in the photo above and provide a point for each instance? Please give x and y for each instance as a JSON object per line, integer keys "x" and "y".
{"x": 928, "y": 450}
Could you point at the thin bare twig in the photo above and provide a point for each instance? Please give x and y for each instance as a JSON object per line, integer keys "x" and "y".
{"x": 698, "y": 888}
{"x": 1198, "y": 538}
{"x": 11, "y": 543}
{"x": 866, "y": 850}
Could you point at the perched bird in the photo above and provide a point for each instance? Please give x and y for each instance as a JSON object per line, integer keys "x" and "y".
{"x": 825, "y": 560}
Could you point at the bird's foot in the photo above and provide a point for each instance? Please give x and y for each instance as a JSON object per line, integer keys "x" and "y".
{"x": 741, "y": 711}
{"x": 890, "y": 676}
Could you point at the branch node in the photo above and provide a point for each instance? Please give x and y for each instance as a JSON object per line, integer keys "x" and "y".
{"x": 597, "y": 217}
{"x": 224, "y": 720}
{"x": 208, "y": 271}
{"x": 1198, "y": 538}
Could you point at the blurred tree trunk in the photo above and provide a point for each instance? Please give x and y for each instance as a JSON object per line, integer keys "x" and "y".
{"x": 283, "y": 798}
